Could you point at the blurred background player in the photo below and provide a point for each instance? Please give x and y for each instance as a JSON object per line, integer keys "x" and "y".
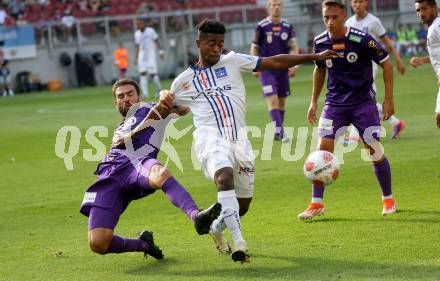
{"x": 349, "y": 99}
{"x": 274, "y": 36}
{"x": 146, "y": 41}
{"x": 120, "y": 181}
{"x": 427, "y": 12}
{"x": 213, "y": 89}
{"x": 367, "y": 22}
{"x": 121, "y": 59}
{"x": 5, "y": 75}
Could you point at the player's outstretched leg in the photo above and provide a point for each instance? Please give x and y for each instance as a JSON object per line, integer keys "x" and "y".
{"x": 396, "y": 124}
{"x": 152, "y": 250}
{"x": 382, "y": 171}
{"x": 204, "y": 219}
{"x": 316, "y": 207}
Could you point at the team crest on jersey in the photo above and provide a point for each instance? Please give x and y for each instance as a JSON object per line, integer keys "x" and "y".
{"x": 269, "y": 37}
{"x": 352, "y": 57}
{"x": 185, "y": 86}
{"x": 284, "y": 35}
{"x": 372, "y": 44}
{"x": 129, "y": 122}
{"x": 329, "y": 63}
{"x": 220, "y": 72}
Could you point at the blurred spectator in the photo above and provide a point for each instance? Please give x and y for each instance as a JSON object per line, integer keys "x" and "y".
{"x": 94, "y": 5}
{"x": 121, "y": 59}
{"x": 422, "y": 34}
{"x": 21, "y": 20}
{"x": 16, "y": 7}
{"x": 310, "y": 43}
{"x": 83, "y": 5}
{"x": 413, "y": 42}
{"x": 401, "y": 42}
{"x": 3, "y": 14}
{"x": 68, "y": 25}
{"x": 145, "y": 8}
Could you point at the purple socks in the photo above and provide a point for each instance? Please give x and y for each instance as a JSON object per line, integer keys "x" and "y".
{"x": 121, "y": 245}
{"x": 317, "y": 193}
{"x": 383, "y": 175}
{"x": 180, "y": 198}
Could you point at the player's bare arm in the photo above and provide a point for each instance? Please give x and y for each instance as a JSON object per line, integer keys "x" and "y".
{"x": 389, "y": 44}
{"x": 136, "y": 56}
{"x": 318, "y": 83}
{"x": 388, "y": 103}
{"x": 282, "y": 62}
{"x": 255, "y": 50}
{"x": 161, "y": 52}
{"x": 294, "y": 50}
{"x": 418, "y": 61}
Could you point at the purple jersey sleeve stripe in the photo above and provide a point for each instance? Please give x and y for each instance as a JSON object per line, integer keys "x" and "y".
{"x": 258, "y": 65}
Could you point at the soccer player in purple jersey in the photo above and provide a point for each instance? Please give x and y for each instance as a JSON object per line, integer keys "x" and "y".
{"x": 350, "y": 98}
{"x": 124, "y": 176}
{"x": 274, "y": 36}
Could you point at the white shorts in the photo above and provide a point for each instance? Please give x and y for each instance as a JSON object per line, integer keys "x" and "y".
{"x": 215, "y": 153}
{"x": 147, "y": 65}
{"x": 437, "y": 108}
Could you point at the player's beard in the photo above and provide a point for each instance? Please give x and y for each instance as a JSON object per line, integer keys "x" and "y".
{"x": 124, "y": 108}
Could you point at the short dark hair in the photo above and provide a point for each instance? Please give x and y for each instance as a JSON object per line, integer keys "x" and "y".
{"x": 211, "y": 26}
{"x": 337, "y": 3}
{"x": 125, "y": 81}
{"x": 429, "y": 2}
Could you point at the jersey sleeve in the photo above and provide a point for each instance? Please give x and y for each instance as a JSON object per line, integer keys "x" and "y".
{"x": 137, "y": 39}
{"x": 379, "y": 29}
{"x": 258, "y": 38}
{"x": 434, "y": 54}
{"x": 177, "y": 89}
{"x": 246, "y": 63}
{"x": 374, "y": 49}
{"x": 154, "y": 34}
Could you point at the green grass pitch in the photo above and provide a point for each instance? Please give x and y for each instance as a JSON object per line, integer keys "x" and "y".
{"x": 43, "y": 236}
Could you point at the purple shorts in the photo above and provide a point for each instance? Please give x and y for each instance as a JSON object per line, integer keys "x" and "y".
{"x": 275, "y": 83}
{"x": 117, "y": 185}
{"x": 365, "y": 117}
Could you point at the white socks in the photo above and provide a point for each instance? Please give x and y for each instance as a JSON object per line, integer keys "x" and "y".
{"x": 393, "y": 119}
{"x": 230, "y": 215}
{"x": 156, "y": 82}
{"x": 144, "y": 85}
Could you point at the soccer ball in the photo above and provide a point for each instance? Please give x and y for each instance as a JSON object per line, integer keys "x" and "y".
{"x": 321, "y": 167}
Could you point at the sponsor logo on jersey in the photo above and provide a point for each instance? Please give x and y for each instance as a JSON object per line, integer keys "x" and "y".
{"x": 338, "y": 47}
{"x": 276, "y": 28}
{"x": 355, "y": 38}
{"x": 216, "y": 91}
{"x": 220, "y": 72}
{"x": 352, "y": 57}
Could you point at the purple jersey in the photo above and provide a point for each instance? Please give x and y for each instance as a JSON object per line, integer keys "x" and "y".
{"x": 350, "y": 78}
{"x": 273, "y": 38}
{"x": 151, "y": 136}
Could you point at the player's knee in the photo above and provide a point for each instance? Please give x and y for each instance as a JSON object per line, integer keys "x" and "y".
{"x": 224, "y": 179}
{"x": 158, "y": 176}
{"x": 243, "y": 210}
{"x": 99, "y": 246}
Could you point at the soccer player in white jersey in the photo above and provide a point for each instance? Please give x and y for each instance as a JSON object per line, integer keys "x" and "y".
{"x": 427, "y": 12}
{"x": 367, "y": 22}
{"x": 213, "y": 89}
{"x": 146, "y": 41}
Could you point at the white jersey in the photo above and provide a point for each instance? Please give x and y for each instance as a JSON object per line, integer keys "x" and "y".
{"x": 145, "y": 41}
{"x": 433, "y": 45}
{"x": 216, "y": 95}
{"x": 369, "y": 24}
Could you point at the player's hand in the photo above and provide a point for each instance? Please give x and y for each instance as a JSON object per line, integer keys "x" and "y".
{"x": 161, "y": 54}
{"x": 400, "y": 67}
{"x": 438, "y": 120}
{"x": 180, "y": 110}
{"x": 166, "y": 99}
{"x": 327, "y": 54}
{"x": 292, "y": 72}
{"x": 416, "y": 61}
{"x": 311, "y": 114}
{"x": 388, "y": 109}
{"x": 257, "y": 74}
